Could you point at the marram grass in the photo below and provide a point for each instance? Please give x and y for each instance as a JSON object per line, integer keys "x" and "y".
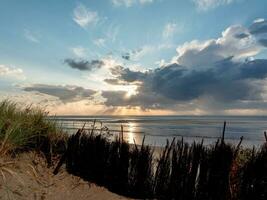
{"x": 26, "y": 128}
{"x": 182, "y": 171}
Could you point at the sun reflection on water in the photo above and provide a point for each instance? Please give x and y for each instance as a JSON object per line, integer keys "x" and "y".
{"x": 131, "y": 134}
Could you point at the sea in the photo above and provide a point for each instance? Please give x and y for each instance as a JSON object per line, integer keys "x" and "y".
{"x": 158, "y": 129}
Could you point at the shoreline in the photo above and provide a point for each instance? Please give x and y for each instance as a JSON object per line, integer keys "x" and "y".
{"x": 157, "y": 130}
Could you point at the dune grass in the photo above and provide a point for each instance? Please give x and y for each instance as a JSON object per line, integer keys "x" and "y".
{"x": 182, "y": 171}
{"x": 27, "y": 128}
{"x": 253, "y": 176}
{"x": 141, "y": 171}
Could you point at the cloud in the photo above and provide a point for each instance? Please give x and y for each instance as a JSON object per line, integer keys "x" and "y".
{"x": 126, "y": 56}
{"x": 204, "y": 5}
{"x": 112, "y": 32}
{"x": 146, "y": 1}
{"x": 125, "y": 74}
{"x": 113, "y": 81}
{"x": 215, "y": 74}
{"x": 227, "y": 81}
{"x": 142, "y": 100}
{"x": 84, "y": 17}
{"x": 129, "y": 3}
{"x": 100, "y": 42}
{"x": 139, "y": 53}
{"x": 63, "y": 93}
{"x": 263, "y": 42}
{"x": 258, "y": 27}
{"x": 32, "y": 37}
{"x": 161, "y": 63}
{"x": 126, "y": 3}
{"x": 13, "y": 72}
{"x": 258, "y": 20}
{"x": 169, "y": 30}
{"x": 84, "y": 65}
{"x": 258, "y": 30}
{"x": 241, "y": 35}
{"x": 79, "y": 51}
{"x": 235, "y": 41}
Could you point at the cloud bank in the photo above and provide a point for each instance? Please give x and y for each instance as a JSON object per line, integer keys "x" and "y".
{"x": 219, "y": 72}
{"x": 64, "y": 93}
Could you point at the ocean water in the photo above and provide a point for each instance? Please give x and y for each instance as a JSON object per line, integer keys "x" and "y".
{"x": 158, "y": 129}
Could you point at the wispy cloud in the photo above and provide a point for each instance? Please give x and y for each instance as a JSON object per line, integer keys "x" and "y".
{"x": 126, "y": 3}
{"x": 84, "y": 17}
{"x": 258, "y": 20}
{"x": 79, "y": 51}
{"x": 112, "y": 32}
{"x": 129, "y": 3}
{"x": 169, "y": 30}
{"x": 146, "y": 1}
{"x": 7, "y": 71}
{"x": 137, "y": 54}
{"x": 100, "y": 42}
{"x": 31, "y": 36}
{"x": 204, "y": 5}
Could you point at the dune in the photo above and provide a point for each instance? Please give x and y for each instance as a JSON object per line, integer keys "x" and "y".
{"x": 27, "y": 177}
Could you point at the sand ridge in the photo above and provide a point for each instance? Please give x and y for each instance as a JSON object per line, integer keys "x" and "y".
{"x": 27, "y": 177}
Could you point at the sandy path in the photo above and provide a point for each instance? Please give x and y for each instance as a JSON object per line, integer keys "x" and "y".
{"x": 27, "y": 177}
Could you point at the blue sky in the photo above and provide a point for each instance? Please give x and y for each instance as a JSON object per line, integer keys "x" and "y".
{"x": 38, "y": 38}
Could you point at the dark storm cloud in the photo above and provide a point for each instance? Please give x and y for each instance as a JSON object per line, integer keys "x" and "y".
{"x": 64, "y": 93}
{"x": 226, "y": 82}
{"x": 84, "y": 65}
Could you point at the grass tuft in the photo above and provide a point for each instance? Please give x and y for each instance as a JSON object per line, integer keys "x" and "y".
{"x": 27, "y": 128}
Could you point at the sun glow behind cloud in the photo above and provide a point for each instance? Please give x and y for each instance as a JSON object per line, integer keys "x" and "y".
{"x": 131, "y": 90}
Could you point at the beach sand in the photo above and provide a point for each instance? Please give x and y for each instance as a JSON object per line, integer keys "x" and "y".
{"x": 27, "y": 177}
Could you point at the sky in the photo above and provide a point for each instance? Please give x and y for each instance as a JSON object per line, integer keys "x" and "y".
{"x": 135, "y": 57}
